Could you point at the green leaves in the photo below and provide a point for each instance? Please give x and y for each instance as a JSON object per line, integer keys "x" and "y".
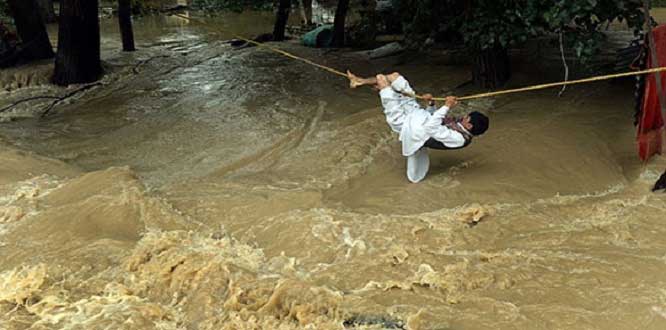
{"x": 484, "y": 24}
{"x": 5, "y": 16}
{"x": 4, "y": 12}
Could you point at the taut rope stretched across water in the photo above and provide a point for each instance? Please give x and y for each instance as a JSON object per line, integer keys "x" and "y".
{"x": 469, "y": 97}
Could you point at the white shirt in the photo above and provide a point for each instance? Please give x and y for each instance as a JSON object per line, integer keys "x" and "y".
{"x": 416, "y": 125}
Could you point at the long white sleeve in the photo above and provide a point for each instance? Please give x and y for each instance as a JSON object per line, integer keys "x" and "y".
{"x": 434, "y": 128}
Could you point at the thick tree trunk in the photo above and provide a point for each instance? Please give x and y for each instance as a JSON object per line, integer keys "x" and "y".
{"x": 78, "y": 58}
{"x": 31, "y": 29}
{"x": 47, "y": 11}
{"x": 125, "y": 23}
{"x": 281, "y": 19}
{"x": 492, "y": 68}
{"x": 339, "y": 23}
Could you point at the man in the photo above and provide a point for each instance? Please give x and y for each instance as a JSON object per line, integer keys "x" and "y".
{"x": 421, "y": 129}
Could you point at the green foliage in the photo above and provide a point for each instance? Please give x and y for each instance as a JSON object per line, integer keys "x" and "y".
{"x": 4, "y": 11}
{"x": 146, "y": 6}
{"x": 582, "y": 21}
{"x": 5, "y": 17}
{"x": 501, "y": 22}
{"x": 485, "y": 24}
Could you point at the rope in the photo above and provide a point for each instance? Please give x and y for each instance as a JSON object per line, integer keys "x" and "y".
{"x": 470, "y": 97}
{"x": 557, "y": 84}
{"x": 277, "y": 50}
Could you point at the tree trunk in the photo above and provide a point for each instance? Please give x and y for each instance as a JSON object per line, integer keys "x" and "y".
{"x": 31, "y": 29}
{"x": 78, "y": 58}
{"x": 125, "y": 23}
{"x": 281, "y": 19}
{"x": 492, "y": 68}
{"x": 339, "y": 23}
{"x": 47, "y": 11}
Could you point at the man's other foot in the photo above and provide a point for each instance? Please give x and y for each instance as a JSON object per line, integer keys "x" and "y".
{"x": 382, "y": 82}
{"x": 354, "y": 81}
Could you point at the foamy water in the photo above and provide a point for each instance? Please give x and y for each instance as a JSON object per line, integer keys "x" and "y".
{"x": 213, "y": 188}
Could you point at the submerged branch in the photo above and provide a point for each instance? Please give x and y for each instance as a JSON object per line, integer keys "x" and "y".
{"x": 27, "y": 100}
{"x": 66, "y": 96}
{"x": 56, "y": 99}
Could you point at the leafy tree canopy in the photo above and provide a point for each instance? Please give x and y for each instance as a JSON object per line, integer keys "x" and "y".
{"x": 484, "y": 24}
{"x": 4, "y": 11}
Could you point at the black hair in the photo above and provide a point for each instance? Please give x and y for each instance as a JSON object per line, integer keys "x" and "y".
{"x": 479, "y": 123}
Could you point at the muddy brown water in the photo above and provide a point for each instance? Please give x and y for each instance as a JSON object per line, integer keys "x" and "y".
{"x": 211, "y": 188}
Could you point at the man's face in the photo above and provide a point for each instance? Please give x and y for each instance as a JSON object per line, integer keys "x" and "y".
{"x": 466, "y": 123}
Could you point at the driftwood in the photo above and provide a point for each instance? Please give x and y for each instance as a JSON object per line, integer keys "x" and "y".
{"x": 393, "y": 48}
{"x": 390, "y": 37}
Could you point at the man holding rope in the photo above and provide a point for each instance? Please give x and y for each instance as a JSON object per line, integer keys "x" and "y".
{"x": 421, "y": 129}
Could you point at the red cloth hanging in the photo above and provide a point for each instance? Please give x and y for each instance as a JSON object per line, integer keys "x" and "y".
{"x": 651, "y": 125}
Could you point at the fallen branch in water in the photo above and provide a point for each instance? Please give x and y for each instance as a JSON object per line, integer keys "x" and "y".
{"x": 57, "y": 99}
{"x": 27, "y": 100}
{"x": 68, "y": 95}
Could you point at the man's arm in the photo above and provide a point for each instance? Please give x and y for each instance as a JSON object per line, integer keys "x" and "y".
{"x": 434, "y": 128}
{"x": 431, "y": 104}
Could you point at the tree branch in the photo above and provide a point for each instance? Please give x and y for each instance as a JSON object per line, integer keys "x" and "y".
{"x": 66, "y": 96}
{"x": 564, "y": 61}
{"x": 27, "y": 100}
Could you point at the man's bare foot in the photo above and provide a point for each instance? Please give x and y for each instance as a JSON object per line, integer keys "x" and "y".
{"x": 393, "y": 77}
{"x": 354, "y": 80}
{"x": 382, "y": 82}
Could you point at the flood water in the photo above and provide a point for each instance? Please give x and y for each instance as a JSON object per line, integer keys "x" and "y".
{"x": 203, "y": 187}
